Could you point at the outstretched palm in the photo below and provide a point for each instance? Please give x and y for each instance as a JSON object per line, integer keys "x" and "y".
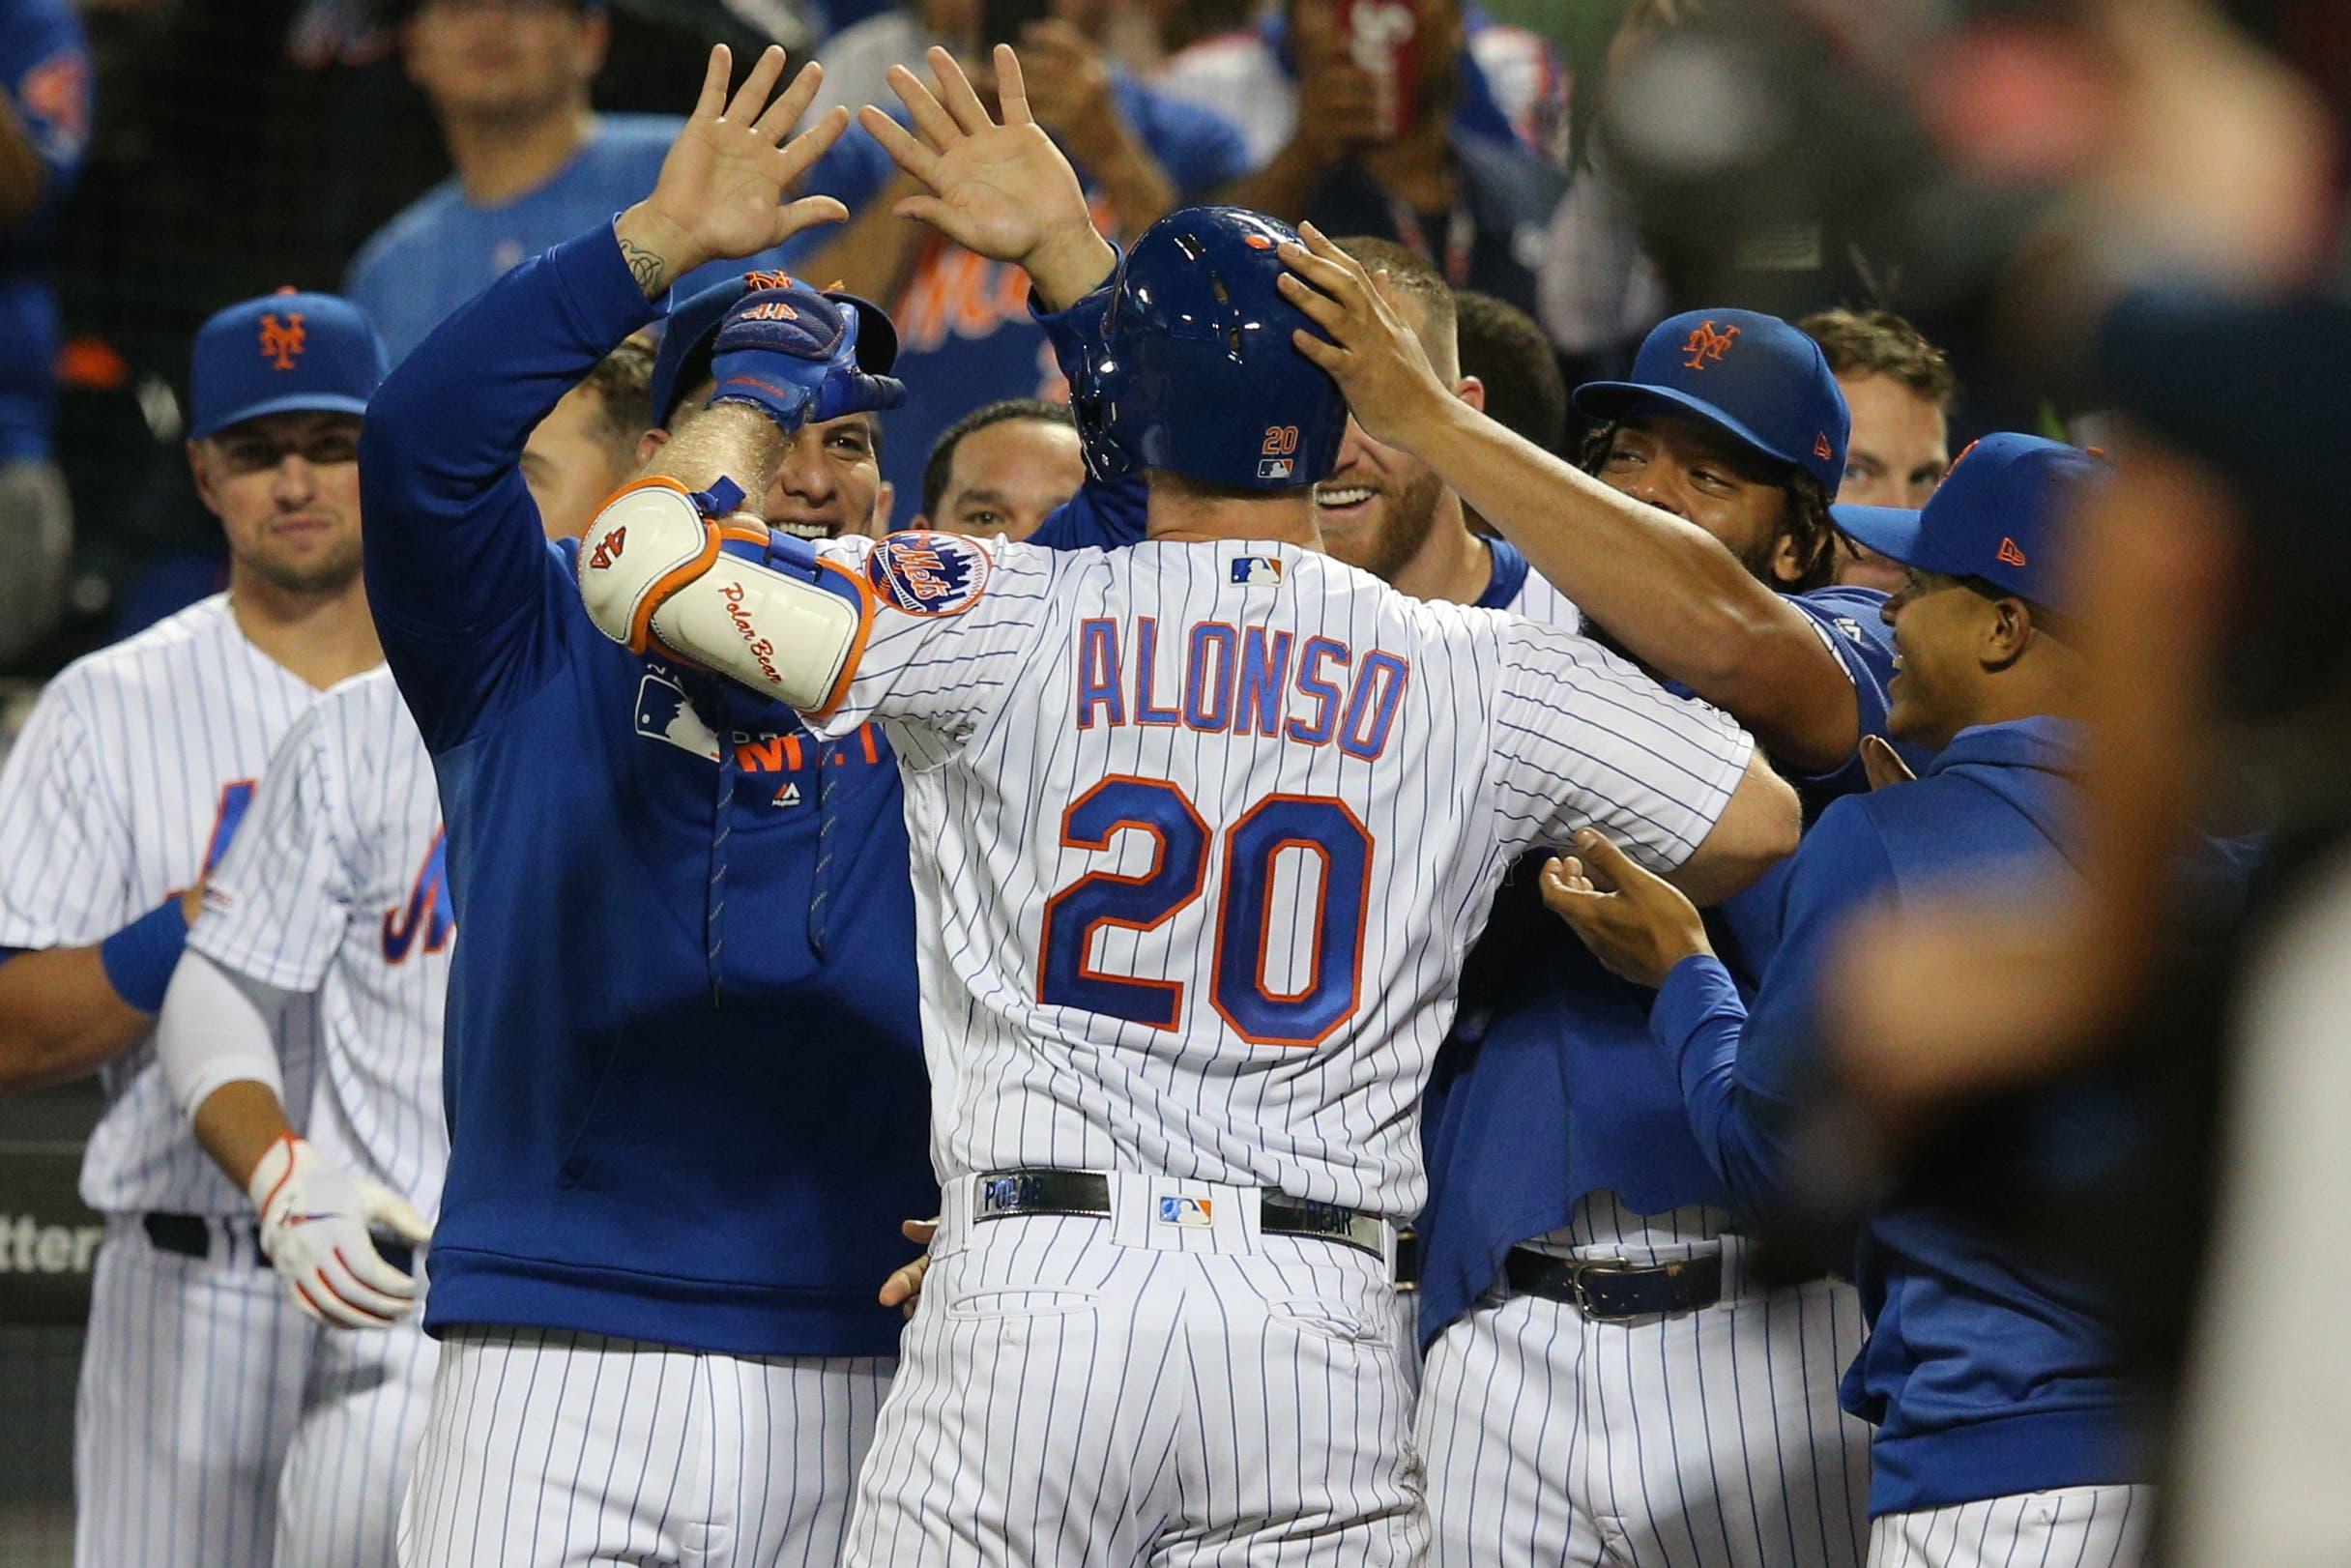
{"x": 1001, "y": 190}
{"x": 722, "y": 183}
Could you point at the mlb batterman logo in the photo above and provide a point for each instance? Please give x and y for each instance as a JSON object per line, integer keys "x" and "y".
{"x": 282, "y": 339}
{"x": 921, "y": 572}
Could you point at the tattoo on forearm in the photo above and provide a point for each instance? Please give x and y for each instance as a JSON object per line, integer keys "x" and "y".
{"x": 649, "y": 269}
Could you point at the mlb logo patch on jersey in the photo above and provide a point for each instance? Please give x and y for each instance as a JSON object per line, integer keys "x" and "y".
{"x": 1190, "y": 1213}
{"x": 1257, "y": 571}
{"x": 921, "y": 572}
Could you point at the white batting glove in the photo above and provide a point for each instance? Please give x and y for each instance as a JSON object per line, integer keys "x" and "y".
{"x": 314, "y": 1224}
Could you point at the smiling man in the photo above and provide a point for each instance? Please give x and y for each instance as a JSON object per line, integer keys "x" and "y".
{"x": 1002, "y": 469}
{"x": 1993, "y": 1376}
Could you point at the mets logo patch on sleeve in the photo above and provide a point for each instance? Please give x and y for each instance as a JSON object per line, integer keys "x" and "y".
{"x": 926, "y": 573}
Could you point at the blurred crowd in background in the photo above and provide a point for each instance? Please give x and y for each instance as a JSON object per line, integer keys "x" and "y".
{"x": 2121, "y": 222}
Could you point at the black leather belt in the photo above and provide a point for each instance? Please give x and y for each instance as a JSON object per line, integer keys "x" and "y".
{"x": 190, "y": 1235}
{"x": 999, "y": 1195}
{"x": 1408, "y": 1259}
{"x": 1606, "y": 1290}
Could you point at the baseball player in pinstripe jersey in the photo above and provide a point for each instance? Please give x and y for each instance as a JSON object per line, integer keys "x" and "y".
{"x": 1605, "y": 1383}
{"x": 1206, "y": 824}
{"x": 128, "y": 786}
{"x": 330, "y": 916}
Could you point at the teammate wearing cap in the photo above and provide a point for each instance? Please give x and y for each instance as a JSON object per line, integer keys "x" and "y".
{"x": 1175, "y": 1042}
{"x": 682, "y": 1067}
{"x": 1660, "y": 1404}
{"x": 1994, "y": 1376}
{"x": 128, "y": 785}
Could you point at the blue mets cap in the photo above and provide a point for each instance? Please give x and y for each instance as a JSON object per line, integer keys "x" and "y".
{"x": 283, "y": 353}
{"x": 693, "y": 323}
{"x": 1754, "y": 376}
{"x": 2001, "y": 515}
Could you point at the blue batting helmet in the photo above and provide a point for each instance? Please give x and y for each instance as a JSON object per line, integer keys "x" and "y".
{"x": 1198, "y": 374}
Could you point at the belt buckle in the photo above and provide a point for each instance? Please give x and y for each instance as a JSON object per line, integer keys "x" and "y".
{"x": 1579, "y": 1269}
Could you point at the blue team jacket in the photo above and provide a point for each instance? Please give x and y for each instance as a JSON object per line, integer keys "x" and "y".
{"x": 682, "y": 1071}
{"x": 1989, "y": 1371}
{"x": 1549, "y": 1088}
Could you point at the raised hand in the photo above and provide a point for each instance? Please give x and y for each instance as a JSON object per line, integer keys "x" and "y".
{"x": 1004, "y": 191}
{"x": 722, "y": 182}
{"x": 1375, "y": 357}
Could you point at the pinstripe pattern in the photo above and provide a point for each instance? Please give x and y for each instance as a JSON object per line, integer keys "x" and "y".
{"x": 544, "y": 1449}
{"x": 1152, "y": 1404}
{"x": 2071, "y": 1527}
{"x": 1700, "y": 1439}
{"x": 191, "y": 1392}
{"x": 364, "y": 1399}
{"x": 1507, "y": 733}
{"x": 331, "y": 891}
{"x": 107, "y": 804}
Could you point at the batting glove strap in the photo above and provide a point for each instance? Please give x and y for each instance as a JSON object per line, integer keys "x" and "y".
{"x": 791, "y": 354}
{"x": 315, "y": 1219}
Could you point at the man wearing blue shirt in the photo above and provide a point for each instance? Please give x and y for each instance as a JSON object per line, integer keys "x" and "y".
{"x": 45, "y": 124}
{"x": 1604, "y": 1374}
{"x": 683, "y": 1067}
{"x": 535, "y": 164}
{"x": 2005, "y": 1427}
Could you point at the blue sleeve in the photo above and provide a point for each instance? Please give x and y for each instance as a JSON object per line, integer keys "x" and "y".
{"x": 1851, "y": 622}
{"x": 1744, "y": 1071}
{"x": 467, "y": 593}
{"x": 1104, "y": 514}
{"x": 46, "y": 63}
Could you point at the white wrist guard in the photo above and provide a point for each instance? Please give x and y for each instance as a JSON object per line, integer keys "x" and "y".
{"x": 768, "y": 613}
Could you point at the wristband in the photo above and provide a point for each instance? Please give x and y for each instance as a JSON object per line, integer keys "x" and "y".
{"x": 139, "y": 958}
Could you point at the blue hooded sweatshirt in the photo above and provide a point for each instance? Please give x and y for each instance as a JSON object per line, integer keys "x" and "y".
{"x": 683, "y": 1063}
{"x": 1989, "y": 1371}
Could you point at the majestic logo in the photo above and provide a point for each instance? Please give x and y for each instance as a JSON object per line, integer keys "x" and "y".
{"x": 1257, "y": 571}
{"x": 2009, "y": 555}
{"x": 427, "y": 915}
{"x": 1706, "y": 345}
{"x": 282, "y": 342}
{"x": 1190, "y": 1213}
{"x": 608, "y": 548}
{"x": 924, "y": 573}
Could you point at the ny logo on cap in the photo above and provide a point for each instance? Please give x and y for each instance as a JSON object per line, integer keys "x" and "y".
{"x": 755, "y": 281}
{"x": 1705, "y": 344}
{"x": 2009, "y": 554}
{"x": 282, "y": 341}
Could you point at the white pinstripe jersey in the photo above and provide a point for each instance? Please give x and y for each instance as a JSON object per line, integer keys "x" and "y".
{"x": 336, "y": 890}
{"x": 131, "y": 779}
{"x": 1204, "y": 830}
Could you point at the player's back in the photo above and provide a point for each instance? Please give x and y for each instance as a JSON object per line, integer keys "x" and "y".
{"x": 1207, "y": 829}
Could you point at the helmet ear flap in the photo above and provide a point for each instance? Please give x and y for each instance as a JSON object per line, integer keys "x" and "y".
{"x": 1094, "y": 403}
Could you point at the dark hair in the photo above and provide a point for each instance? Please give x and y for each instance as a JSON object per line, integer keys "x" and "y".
{"x": 1881, "y": 343}
{"x": 623, "y": 384}
{"x": 1501, "y": 346}
{"x": 1414, "y": 272}
{"x": 942, "y": 462}
{"x": 1805, "y": 523}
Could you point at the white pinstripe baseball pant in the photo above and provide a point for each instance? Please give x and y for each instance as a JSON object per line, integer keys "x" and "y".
{"x": 1085, "y": 1391}
{"x": 547, "y": 1449}
{"x": 2068, "y": 1528}
{"x": 1709, "y": 1438}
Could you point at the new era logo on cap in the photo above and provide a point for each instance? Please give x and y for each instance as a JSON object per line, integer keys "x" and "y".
{"x": 2009, "y": 554}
